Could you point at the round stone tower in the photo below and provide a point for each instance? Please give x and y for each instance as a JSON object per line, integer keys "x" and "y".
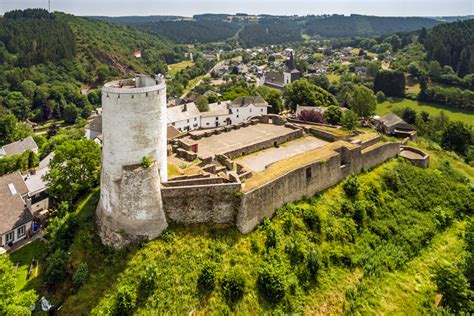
{"x": 134, "y": 129}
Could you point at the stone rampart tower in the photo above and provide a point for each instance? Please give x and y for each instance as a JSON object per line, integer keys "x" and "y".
{"x": 134, "y": 127}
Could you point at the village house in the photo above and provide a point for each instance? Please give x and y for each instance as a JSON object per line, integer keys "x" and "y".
{"x": 184, "y": 117}
{"x": 392, "y": 124}
{"x": 94, "y": 128}
{"x": 19, "y": 147}
{"x": 16, "y": 219}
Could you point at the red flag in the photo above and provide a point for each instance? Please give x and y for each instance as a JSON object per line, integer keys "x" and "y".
{"x": 138, "y": 54}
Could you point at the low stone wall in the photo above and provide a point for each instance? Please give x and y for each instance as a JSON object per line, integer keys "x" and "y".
{"x": 324, "y": 135}
{"x": 225, "y": 161}
{"x": 190, "y": 182}
{"x": 370, "y": 142}
{"x": 213, "y": 204}
{"x": 377, "y": 154}
{"x": 423, "y": 161}
{"x": 264, "y": 145}
{"x": 306, "y": 180}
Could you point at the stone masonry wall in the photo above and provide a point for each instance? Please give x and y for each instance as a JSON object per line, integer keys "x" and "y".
{"x": 213, "y": 204}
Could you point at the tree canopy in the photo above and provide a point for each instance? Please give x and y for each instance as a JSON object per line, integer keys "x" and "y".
{"x": 301, "y": 92}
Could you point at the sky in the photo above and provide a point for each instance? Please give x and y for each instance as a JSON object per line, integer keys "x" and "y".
{"x": 278, "y": 7}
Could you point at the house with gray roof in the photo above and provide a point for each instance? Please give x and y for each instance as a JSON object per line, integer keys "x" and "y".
{"x": 392, "y": 124}
{"x": 19, "y": 147}
{"x": 94, "y": 128}
{"x": 184, "y": 117}
{"x": 16, "y": 219}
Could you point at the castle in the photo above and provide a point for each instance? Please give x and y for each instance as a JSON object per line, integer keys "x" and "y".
{"x": 234, "y": 174}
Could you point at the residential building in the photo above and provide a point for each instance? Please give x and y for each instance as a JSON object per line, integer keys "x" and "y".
{"x": 185, "y": 117}
{"x": 94, "y": 128}
{"x": 278, "y": 80}
{"x": 19, "y": 147}
{"x": 16, "y": 220}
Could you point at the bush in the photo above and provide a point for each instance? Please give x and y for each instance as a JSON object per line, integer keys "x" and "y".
{"x": 311, "y": 116}
{"x": 312, "y": 219}
{"x": 148, "y": 280}
{"x": 380, "y": 96}
{"x": 270, "y": 283}
{"x": 351, "y": 186}
{"x": 333, "y": 114}
{"x": 126, "y": 300}
{"x": 349, "y": 120}
{"x": 207, "y": 278}
{"x": 296, "y": 252}
{"x": 271, "y": 238}
{"x": 56, "y": 270}
{"x": 233, "y": 287}
{"x": 147, "y": 161}
{"x": 313, "y": 264}
{"x": 81, "y": 276}
{"x": 451, "y": 282}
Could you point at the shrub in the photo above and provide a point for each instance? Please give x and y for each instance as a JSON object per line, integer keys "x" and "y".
{"x": 451, "y": 282}
{"x": 207, "y": 278}
{"x": 312, "y": 219}
{"x": 351, "y": 186}
{"x": 147, "y": 161}
{"x": 81, "y": 276}
{"x": 233, "y": 287}
{"x": 311, "y": 116}
{"x": 126, "y": 300}
{"x": 313, "y": 263}
{"x": 270, "y": 283}
{"x": 349, "y": 120}
{"x": 296, "y": 251}
{"x": 148, "y": 280}
{"x": 271, "y": 240}
{"x": 56, "y": 270}
{"x": 333, "y": 114}
{"x": 380, "y": 96}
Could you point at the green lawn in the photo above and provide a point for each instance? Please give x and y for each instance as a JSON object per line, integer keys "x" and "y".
{"x": 433, "y": 109}
{"x": 38, "y": 250}
{"x": 175, "y": 68}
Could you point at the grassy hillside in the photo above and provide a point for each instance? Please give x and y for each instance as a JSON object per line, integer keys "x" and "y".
{"x": 455, "y": 114}
{"x": 371, "y": 253}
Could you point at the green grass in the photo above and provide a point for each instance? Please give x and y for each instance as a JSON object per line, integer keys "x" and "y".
{"x": 454, "y": 114}
{"x": 38, "y": 250}
{"x": 179, "y": 258}
{"x": 333, "y": 77}
{"x": 192, "y": 83}
{"x": 175, "y": 68}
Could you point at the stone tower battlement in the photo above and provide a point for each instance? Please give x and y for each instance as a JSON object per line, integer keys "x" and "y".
{"x": 134, "y": 127}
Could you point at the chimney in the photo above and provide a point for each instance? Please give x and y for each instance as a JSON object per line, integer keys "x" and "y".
{"x": 185, "y": 107}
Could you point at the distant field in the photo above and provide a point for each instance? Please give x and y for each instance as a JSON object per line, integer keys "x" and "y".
{"x": 433, "y": 109}
{"x": 175, "y": 68}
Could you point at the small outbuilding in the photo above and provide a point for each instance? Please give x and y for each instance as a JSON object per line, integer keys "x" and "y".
{"x": 392, "y": 124}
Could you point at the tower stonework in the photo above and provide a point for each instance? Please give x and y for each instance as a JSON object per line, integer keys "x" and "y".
{"x": 134, "y": 127}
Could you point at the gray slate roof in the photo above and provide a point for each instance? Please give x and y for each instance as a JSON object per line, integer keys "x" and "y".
{"x": 246, "y": 101}
{"x": 20, "y": 146}
{"x": 13, "y": 210}
{"x": 391, "y": 119}
{"x": 177, "y": 113}
{"x": 95, "y": 124}
{"x": 275, "y": 78}
{"x": 217, "y": 109}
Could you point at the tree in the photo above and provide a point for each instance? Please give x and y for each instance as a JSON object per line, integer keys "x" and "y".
{"x": 349, "y": 120}
{"x": 126, "y": 300}
{"x": 409, "y": 115}
{"x": 380, "y": 97}
{"x": 233, "y": 287}
{"x": 18, "y": 104}
{"x": 272, "y": 97}
{"x": 463, "y": 65}
{"x": 202, "y": 103}
{"x": 70, "y": 113}
{"x": 301, "y": 92}
{"x": 451, "y": 282}
{"x": 103, "y": 73}
{"x": 363, "y": 101}
{"x": 434, "y": 69}
{"x": 80, "y": 276}
{"x": 14, "y": 301}
{"x": 56, "y": 270}
{"x": 74, "y": 169}
{"x": 333, "y": 115}
{"x": 391, "y": 83}
{"x": 311, "y": 116}
{"x": 457, "y": 137}
{"x": 8, "y": 123}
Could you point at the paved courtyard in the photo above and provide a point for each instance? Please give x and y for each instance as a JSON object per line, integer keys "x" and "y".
{"x": 235, "y": 139}
{"x": 259, "y": 160}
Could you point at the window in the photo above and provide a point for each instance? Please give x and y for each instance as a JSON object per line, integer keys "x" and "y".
{"x": 195, "y": 119}
{"x": 21, "y": 231}
{"x": 261, "y": 110}
{"x": 9, "y": 237}
{"x": 1, "y": 241}
{"x": 217, "y": 118}
{"x": 237, "y": 116}
{"x": 172, "y": 123}
{"x": 207, "y": 123}
{"x": 308, "y": 173}
{"x": 187, "y": 121}
{"x": 250, "y": 110}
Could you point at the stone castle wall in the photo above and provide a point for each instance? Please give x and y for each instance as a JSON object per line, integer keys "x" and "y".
{"x": 228, "y": 204}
